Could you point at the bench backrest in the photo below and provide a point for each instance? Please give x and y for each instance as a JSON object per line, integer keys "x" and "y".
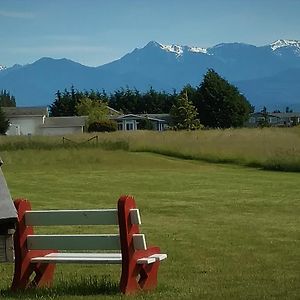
{"x": 28, "y": 219}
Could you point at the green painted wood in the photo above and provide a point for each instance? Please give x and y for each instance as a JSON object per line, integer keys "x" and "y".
{"x": 135, "y": 216}
{"x": 72, "y": 217}
{"x": 139, "y": 241}
{"x": 74, "y": 242}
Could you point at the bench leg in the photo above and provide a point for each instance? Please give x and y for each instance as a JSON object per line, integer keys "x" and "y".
{"x": 139, "y": 277}
{"x": 27, "y": 274}
{"x": 44, "y": 275}
{"x": 136, "y": 277}
{"x": 148, "y": 276}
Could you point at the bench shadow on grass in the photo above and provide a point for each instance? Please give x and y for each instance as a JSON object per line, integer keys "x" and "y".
{"x": 83, "y": 286}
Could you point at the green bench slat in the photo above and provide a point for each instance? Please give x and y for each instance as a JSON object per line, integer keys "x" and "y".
{"x": 74, "y": 242}
{"x": 71, "y": 217}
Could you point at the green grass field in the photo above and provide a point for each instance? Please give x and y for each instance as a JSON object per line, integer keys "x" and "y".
{"x": 230, "y": 232}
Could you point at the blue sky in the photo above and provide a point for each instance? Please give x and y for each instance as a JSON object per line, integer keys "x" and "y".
{"x": 94, "y": 32}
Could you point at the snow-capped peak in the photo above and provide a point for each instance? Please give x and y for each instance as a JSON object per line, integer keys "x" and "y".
{"x": 198, "y": 49}
{"x": 180, "y": 49}
{"x": 284, "y": 43}
{"x": 173, "y": 48}
{"x": 2, "y": 68}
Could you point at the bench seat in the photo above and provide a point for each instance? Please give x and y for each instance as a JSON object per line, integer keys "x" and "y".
{"x": 83, "y": 258}
{"x": 93, "y": 258}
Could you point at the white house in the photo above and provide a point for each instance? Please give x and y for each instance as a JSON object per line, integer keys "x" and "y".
{"x": 36, "y": 121}
{"x": 25, "y": 120}
{"x": 274, "y": 119}
{"x": 134, "y": 122}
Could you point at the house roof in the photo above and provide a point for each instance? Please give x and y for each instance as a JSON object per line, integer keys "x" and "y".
{"x": 75, "y": 121}
{"x": 113, "y": 112}
{"x": 278, "y": 115}
{"x": 138, "y": 117}
{"x": 25, "y": 111}
{"x": 165, "y": 117}
{"x": 286, "y": 115}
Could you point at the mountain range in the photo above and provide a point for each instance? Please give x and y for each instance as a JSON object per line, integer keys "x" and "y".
{"x": 267, "y": 75}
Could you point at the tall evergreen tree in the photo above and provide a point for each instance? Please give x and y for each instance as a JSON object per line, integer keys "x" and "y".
{"x": 184, "y": 114}
{"x": 64, "y": 104}
{"x": 7, "y": 100}
{"x": 220, "y": 104}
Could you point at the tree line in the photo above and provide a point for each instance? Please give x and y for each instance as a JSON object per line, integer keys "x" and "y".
{"x": 215, "y": 103}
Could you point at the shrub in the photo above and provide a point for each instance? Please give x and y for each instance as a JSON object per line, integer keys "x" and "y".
{"x": 103, "y": 126}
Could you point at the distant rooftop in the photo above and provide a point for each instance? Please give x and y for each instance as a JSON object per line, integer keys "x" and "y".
{"x": 65, "y": 121}
{"x": 26, "y": 111}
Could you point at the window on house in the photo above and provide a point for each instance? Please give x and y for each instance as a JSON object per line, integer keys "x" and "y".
{"x": 129, "y": 126}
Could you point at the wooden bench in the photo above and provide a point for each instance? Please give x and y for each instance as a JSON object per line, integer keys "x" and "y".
{"x": 36, "y": 255}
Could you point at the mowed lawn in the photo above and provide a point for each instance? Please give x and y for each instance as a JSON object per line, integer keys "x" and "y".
{"x": 229, "y": 232}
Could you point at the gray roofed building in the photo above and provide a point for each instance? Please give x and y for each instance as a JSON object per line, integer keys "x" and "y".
{"x": 63, "y": 125}
{"x": 276, "y": 119}
{"x": 25, "y": 111}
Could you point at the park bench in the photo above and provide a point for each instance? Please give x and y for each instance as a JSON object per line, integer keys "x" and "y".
{"x": 36, "y": 255}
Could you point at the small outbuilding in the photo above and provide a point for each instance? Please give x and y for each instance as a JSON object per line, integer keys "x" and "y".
{"x": 63, "y": 125}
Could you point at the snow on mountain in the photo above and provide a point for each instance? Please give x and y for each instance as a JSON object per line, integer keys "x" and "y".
{"x": 2, "y": 67}
{"x": 198, "y": 50}
{"x": 173, "y": 48}
{"x": 181, "y": 50}
{"x": 285, "y": 43}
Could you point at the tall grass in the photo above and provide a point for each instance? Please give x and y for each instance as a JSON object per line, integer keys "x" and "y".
{"x": 268, "y": 148}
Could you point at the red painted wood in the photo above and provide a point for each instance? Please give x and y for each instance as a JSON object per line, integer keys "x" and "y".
{"x": 26, "y": 273}
{"x": 134, "y": 277}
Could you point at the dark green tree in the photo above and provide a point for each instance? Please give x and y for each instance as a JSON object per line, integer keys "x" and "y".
{"x": 4, "y": 123}
{"x": 133, "y": 101}
{"x": 64, "y": 103}
{"x": 220, "y": 104}
{"x": 103, "y": 126}
{"x": 125, "y": 100}
{"x": 7, "y": 100}
{"x": 184, "y": 114}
